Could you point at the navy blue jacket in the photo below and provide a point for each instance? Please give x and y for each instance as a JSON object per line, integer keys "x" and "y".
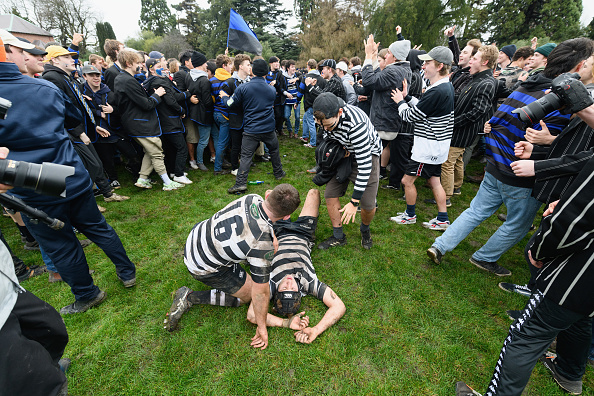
{"x": 171, "y": 108}
{"x": 257, "y": 99}
{"x": 101, "y": 98}
{"x": 34, "y": 130}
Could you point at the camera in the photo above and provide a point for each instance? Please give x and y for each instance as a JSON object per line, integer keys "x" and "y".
{"x": 568, "y": 95}
{"x": 47, "y": 178}
{"x": 5, "y": 104}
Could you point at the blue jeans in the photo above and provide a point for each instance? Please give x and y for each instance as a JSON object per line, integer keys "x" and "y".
{"x": 220, "y": 146}
{"x": 309, "y": 126}
{"x": 205, "y": 131}
{"x": 521, "y": 209}
{"x": 297, "y": 111}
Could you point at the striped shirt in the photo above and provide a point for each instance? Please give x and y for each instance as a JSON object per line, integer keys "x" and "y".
{"x": 356, "y": 133}
{"x": 508, "y": 129}
{"x": 294, "y": 258}
{"x": 564, "y": 242}
{"x": 241, "y": 231}
{"x": 433, "y": 117}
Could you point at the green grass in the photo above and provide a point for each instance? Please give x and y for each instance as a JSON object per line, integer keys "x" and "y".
{"x": 411, "y": 327}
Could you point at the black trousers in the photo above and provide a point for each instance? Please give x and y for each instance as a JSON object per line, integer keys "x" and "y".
{"x": 32, "y": 342}
{"x": 236, "y": 139}
{"x": 279, "y": 117}
{"x": 400, "y": 151}
{"x": 107, "y": 151}
{"x": 92, "y": 163}
{"x": 529, "y": 337}
{"x": 249, "y": 145}
{"x": 176, "y": 153}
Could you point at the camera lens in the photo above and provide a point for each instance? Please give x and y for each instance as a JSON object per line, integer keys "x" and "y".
{"x": 47, "y": 178}
{"x": 534, "y": 112}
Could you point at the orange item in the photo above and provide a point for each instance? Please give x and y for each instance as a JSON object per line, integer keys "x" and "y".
{"x": 2, "y": 52}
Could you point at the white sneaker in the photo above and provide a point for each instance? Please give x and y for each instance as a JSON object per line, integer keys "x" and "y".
{"x": 436, "y": 225}
{"x": 182, "y": 180}
{"x": 404, "y": 218}
{"x": 172, "y": 186}
{"x": 234, "y": 172}
{"x": 193, "y": 165}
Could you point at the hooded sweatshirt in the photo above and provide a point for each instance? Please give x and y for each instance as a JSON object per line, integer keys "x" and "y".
{"x": 216, "y": 84}
{"x": 199, "y": 85}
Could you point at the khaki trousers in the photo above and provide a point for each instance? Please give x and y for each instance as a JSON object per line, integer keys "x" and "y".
{"x": 153, "y": 156}
{"x": 452, "y": 171}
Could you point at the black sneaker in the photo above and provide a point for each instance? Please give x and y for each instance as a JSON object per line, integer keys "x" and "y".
{"x": 390, "y": 187}
{"x": 180, "y": 306}
{"x": 464, "y": 390}
{"x": 282, "y": 175}
{"x": 237, "y": 189}
{"x": 502, "y": 216}
{"x": 222, "y": 172}
{"x": 83, "y": 306}
{"x": 128, "y": 283}
{"x": 366, "y": 240}
{"x": 513, "y": 314}
{"x": 435, "y": 255}
{"x": 457, "y": 191}
{"x": 431, "y": 201}
{"x": 491, "y": 267}
{"x": 513, "y": 288}
{"x": 332, "y": 242}
{"x": 572, "y": 387}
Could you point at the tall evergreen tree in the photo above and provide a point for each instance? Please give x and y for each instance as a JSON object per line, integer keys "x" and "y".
{"x": 104, "y": 32}
{"x": 156, "y": 16}
{"x": 190, "y": 23}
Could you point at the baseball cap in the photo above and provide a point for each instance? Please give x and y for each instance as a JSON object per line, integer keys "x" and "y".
{"x": 331, "y": 63}
{"x": 328, "y": 104}
{"x": 35, "y": 50}
{"x": 440, "y": 54}
{"x": 273, "y": 59}
{"x": 155, "y": 55}
{"x": 90, "y": 69}
{"x": 9, "y": 39}
{"x": 53, "y": 51}
{"x": 342, "y": 66}
{"x": 151, "y": 62}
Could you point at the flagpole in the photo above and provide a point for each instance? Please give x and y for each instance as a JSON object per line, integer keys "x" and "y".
{"x": 229, "y": 27}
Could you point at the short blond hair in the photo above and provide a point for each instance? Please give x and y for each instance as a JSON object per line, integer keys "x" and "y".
{"x": 490, "y": 54}
{"x": 127, "y": 58}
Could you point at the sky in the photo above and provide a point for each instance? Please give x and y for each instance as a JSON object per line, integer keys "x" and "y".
{"x": 123, "y": 15}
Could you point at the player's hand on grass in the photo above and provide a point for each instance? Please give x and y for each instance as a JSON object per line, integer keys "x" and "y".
{"x": 260, "y": 340}
{"x": 299, "y": 321}
{"x": 307, "y": 335}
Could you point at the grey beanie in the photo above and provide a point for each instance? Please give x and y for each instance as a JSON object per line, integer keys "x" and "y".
{"x": 400, "y": 49}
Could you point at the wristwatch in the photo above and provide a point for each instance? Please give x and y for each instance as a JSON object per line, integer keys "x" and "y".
{"x": 355, "y": 204}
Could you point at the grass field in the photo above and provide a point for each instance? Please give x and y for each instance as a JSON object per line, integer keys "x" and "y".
{"x": 411, "y": 327}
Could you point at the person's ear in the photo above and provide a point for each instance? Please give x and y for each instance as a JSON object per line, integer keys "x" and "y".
{"x": 287, "y": 217}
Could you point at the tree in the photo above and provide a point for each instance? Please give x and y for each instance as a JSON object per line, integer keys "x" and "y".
{"x": 190, "y": 23}
{"x": 589, "y": 31}
{"x": 334, "y": 30}
{"x": 156, "y": 16}
{"x": 511, "y": 20}
{"x": 172, "y": 44}
{"x": 146, "y": 41}
{"x": 104, "y": 32}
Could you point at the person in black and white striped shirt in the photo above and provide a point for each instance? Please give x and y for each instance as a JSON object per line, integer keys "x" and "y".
{"x": 351, "y": 127}
{"x": 294, "y": 276}
{"x": 242, "y": 231}
{"x": 433, "y": 117}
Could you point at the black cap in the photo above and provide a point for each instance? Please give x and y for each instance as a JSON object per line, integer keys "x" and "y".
{"x": 259, "y": 68}
{"x": 151, "y": 62}
{"x": 273, "y": 59}
{"x": 33, "y": 51}
{"x": 331, "y": 63}
{"x": 198, "y": 59}
{"x": 328, "y": 104}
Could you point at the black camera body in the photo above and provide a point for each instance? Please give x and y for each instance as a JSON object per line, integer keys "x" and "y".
{"x": 568, "y": 95}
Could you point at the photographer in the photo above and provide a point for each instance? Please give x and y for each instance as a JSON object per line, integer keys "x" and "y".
{"x": 38, "y": 135}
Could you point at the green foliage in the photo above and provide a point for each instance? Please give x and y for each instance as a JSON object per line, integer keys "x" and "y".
{"x": 156, "y": 16}
{"x": 190, "y": 22}
{"x": 589, "y": 31}
{"x": 144, "y": 42}
{"x": 172, "y": 44}
{"x": 104, "y": 32}
{"x": 335, "y": 29}
{"x": 511, "y": 20}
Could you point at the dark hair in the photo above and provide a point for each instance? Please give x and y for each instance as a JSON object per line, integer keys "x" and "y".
{"x": 312, "y": 64}
{"x": 283, "y": 63}
{"x": 355, "y": 61}
{"x": 283, "y": 200}
{"x": 290, "y": 62}
{"x": 185, "y": 56}
{"x": 212, "y": 66}
{"x": 567, "y": 55}
{"x": 523, "y": 52}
